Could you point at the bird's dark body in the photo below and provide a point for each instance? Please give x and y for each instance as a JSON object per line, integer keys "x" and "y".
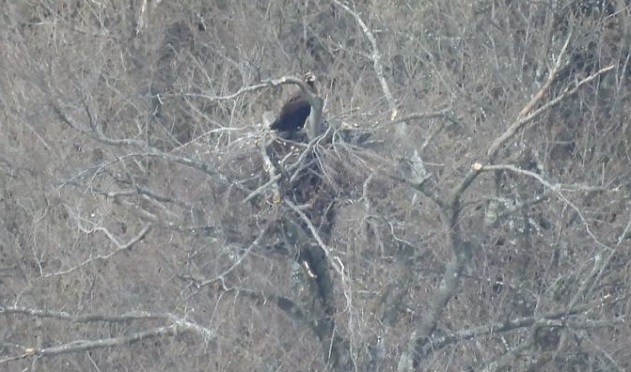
{"x": 296, "y": 110}
{"x": 293, "y": 114}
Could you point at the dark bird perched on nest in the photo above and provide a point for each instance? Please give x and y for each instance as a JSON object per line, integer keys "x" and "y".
{"x": 295, "y": 111}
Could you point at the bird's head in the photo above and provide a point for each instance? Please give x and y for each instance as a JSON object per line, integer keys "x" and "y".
{"x": 310, "y": 77}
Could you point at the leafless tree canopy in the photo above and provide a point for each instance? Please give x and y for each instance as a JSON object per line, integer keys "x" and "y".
{"x": 459, "y": 200}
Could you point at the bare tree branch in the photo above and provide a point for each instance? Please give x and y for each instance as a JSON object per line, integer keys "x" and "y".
{"x": 376, "y": 58}
{"x": 178, "y": 325}
{"x": 558, "y": 64}
{"x": 556, "y": 188}
{"x": 119, "y": 246}
{"x": 521, "y": 121}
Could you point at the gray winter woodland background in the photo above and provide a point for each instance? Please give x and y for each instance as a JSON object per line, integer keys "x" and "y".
{"x": 462, "y": 205}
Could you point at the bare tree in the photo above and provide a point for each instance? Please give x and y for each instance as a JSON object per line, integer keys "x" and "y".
{"x": 458, "y": 201}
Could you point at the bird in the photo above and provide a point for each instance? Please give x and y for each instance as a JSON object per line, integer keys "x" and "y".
{"x": 296, "y": 110}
